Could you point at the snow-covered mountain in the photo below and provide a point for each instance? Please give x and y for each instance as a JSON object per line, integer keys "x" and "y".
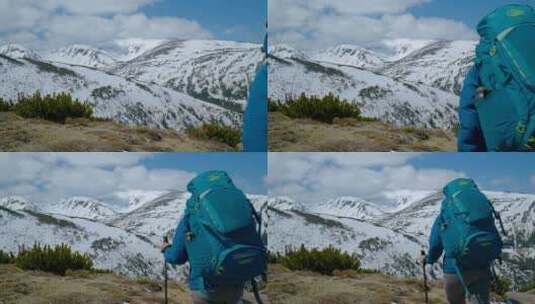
{"x": 82, "y": 55}
{"x": 210, "y": 70}
{"x": 123, "y": 241}
{"x": 134, "y": 47}
{"x": 404, "y": 82}
{"x": 349, "y": 207}
{"x": 391, "y": 240}
{"x": 16, "y": 203}
{"x": 160, "y": 83}
{"x": 350, "y": 55}
{"x": 396, "y": 49}
{"x": 441, "y": 64}
{"x": 110, "y": 248}
{"x": 133, "y": 199}
{"x": 125, "y": 100}
{"x": 17, "y": 51}
{"x": 82, "y": 207}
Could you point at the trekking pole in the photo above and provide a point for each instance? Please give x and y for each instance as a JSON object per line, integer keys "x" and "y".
{"x": 166, "y": 241}
{"x": 256, "y": 291}
{"x": 425, "y": 278}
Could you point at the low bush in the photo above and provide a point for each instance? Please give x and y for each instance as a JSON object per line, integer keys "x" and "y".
{"x": 500, "y": 286}
{"x": 420, "y": 133}
{"x": 218, "y": 132}
{"x": 324, "y": 109}
{"x": 528, "y": 287}
{"x": 55, "y": 107}
{"x": 325, "y": 261}
{"x": 6, "y": 257}
{"x": 57, "y": 259}
{"x": 5, "y": 106}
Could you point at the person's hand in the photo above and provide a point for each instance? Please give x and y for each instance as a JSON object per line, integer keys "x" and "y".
{"x": 425, "y": 260}
{"x": 164, "y": 246}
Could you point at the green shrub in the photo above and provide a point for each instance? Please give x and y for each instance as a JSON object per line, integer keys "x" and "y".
{"x": 500, "y": 286}
{"x": 57, "y": 259}
{"x": 528, "y": 287}
{"x": 324, "y": 109}
{"x": 56, "y": 107}
{"x": 50, "y": 68}
{"x": 324, "y": 261}
{"x": 420, "y": 133}
{"x": 218, "y": 132}
{"x": 6, "y": 258}
{"x": 5, "y": 106}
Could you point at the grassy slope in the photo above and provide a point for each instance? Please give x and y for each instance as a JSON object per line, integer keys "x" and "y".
{"x": 17, "y": 286}
{"x": 22, "y": 287}
{"x": 346, "y": 135}
{"x": 353, "y": 288}
{"x": 80, "y": 135}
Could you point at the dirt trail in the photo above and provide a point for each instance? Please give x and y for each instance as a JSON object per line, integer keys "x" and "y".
{"x": 350, "y": 135}
{"x": 83, "y": 135}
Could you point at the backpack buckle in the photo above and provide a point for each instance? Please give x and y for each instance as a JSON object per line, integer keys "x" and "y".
{"x": 521, "y": 128}
{"x": 189, "y": 236}
{"x": 530, "y": 145}
{"x": 481, "y": 93}
{"x": 493, "y": 51}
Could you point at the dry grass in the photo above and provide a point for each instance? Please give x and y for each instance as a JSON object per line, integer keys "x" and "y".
{"x": 35, "y": 287}
{"x": 351, "y": 135}
{"x": 90, "y": 135}
{"x": 349, "y": 287}
{"x": 284, "y": 287}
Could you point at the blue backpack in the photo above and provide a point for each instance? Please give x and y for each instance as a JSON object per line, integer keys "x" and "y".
{"x": 505, "y": 57}
{"x": 223, "y": 244}
{"x": 468, "y": 231}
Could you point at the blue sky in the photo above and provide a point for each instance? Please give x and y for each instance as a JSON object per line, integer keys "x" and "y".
{"x": 322, "y": 176}
{"x": 45, "y": 177}
{"x": 241, "y": 20}
{"x": 469, "y": 12}
{"x": 324, "y": 23}
{"x": 493, "y": 171}
{"x": 45, "y": 24}
{"x": 248, "y": 169}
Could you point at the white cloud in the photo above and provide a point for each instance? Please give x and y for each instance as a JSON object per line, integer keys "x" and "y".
{"x": 317, "y": 23}
{"x": 320, "y": 176}
{"x": 47, "y": 23}
{"x": 53, "y": 176}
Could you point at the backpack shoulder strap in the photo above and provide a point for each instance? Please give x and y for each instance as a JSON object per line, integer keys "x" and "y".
{"x": 498, "y": 217}
{"x": 257, "y": 217}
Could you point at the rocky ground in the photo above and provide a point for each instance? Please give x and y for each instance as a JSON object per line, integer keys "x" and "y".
{"x": 83, "y": 135}
{"x": 284, "y": 286}
{"x": 350, "y": 135}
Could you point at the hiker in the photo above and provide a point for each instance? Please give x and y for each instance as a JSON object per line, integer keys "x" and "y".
{"x": 218, "y": 237}
{"x": 255, "y": 116}
{"x": 497, "y": 104}
{"x": 466, "y": 233}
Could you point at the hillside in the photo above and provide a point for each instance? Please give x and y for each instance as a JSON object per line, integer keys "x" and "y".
{"x": 82, "y": 135}
{"x": 122, "y": 240}
{"x": 350, "y": 288}
{"x": 284, "y": 286}
{"x": 164, "y": 84}
{"x": 346, "y": 135}
{"x": 17, "y": 286}
{"x": 390, "y": 239}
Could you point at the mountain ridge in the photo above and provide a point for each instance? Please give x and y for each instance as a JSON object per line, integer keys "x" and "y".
{"x": 406, "y": 87}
